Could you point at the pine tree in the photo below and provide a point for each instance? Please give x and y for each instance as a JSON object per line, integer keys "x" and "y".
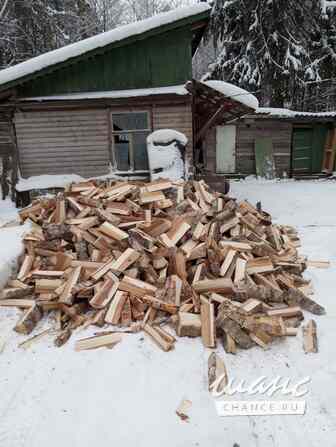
{"x": 264, "y": 45}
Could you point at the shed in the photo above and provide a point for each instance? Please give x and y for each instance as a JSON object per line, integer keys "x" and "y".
{"x": 87, "y": 108}
{"x": 302, "y": 143}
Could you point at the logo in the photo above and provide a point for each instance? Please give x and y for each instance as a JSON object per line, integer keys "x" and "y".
{"x": 224, "y": 391}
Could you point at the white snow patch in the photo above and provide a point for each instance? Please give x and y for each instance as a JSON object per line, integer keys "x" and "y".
{"x": 234, "y": 92}
{"x": 61, "y": 180}
{"x": 101, "y": 40}
{"x": 114, "y": 94}
{"x": 164, "y": 156}
{"x": 11, "y": 247}
{"x": 47, "y": 181}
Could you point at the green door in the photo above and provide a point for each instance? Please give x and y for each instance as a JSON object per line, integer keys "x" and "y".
{"x": 308, "y": 149}
{"x": 319, "y": 141}
{"x": 302, "y": 151}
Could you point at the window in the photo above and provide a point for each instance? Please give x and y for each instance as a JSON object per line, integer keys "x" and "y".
{"x": 129, "y": 134}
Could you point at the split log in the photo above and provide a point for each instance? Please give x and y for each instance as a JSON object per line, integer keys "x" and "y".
{"x": 310, "y": 337}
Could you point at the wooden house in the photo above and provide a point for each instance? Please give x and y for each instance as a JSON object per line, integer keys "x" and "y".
{"x": 303, "y": 144}
{"x": 88, "y": 108}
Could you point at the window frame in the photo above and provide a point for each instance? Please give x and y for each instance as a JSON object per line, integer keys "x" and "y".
{"x": 130, "y": 134}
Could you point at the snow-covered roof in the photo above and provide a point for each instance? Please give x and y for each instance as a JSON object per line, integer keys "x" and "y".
{"x": 63, "y": 54}
{"x": 287, "y": 113}
{"x": 233, "y": 92}
{"x": 114, "y": 94}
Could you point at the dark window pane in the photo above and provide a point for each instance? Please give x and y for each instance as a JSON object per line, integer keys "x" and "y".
{"x": 140, "y": 151}
{"x": 121, "y": 148}
{"x": 129, "y": 121}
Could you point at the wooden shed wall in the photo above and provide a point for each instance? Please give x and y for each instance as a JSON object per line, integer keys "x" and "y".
{"x": 177, "y": 117}
{"x": 63, "y": 142}
{"x": 281, "y": 134}
{"x": 6, "y": 143}
{"x": 78, "y": 140}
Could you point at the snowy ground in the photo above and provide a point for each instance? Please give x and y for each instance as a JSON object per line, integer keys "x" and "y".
{"x": 128, "y": 396}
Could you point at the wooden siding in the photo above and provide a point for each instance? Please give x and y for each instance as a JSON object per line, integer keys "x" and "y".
{"x": 209, "y": 150}
{"x": 159, "y": 61}
{"x": 6, "y": 143}
{"x": 177, "y": 117}
{"x": 281, "y": 134}
{"x": 279, "y": 131}
{"x": 63, "y": 142}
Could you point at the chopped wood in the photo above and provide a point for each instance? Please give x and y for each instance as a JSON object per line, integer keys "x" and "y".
{"x": 158, "y": 338}
{"x": 240, "y": 270}
{"x": 114, "y": 313}
{"x": 285, "y": 313}
{"x": 149, "y": 197}
{"x": 105, "y": 294}
{"x": 112, "y": 231}
{"x": 24, "y": 303}
{"x": 318, "y": 264}
{"x": 189, "y": 325}
{"x": 218, "y": 377}
{"x": 125, "y": 260}
{"x": 223, "y": 285}
{"x": 208, "y": 323}
{"x": 259, "y": 265}
{"x": 15, "y": 292}
{"x": 25, "y": 267}
{"x": 136, "y": 287}
{"x": 229, "y": 344}
{"x": 139, "y": 254}
{"x": 28, "y": 321}
{"x": 98, "y": 341}
{"x": 66, "y": 296}
{"x": 310, "y": 337}
{"x": 252, "y": 306}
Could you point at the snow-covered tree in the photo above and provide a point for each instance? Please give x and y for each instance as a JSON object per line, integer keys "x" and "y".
{"x": 265, "y": 45}
{"x": 141, "y": 9}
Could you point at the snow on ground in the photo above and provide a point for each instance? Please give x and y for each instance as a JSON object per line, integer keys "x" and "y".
{"x": 10, "y": 239}
{"x": 128, "y": 396}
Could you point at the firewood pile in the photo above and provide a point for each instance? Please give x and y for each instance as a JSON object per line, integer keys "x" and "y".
{"x": 173, "y": 259}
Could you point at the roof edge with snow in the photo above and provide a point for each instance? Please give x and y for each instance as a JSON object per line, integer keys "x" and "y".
{"x": 47, "y": 62}
{"x": 273, "y": 112}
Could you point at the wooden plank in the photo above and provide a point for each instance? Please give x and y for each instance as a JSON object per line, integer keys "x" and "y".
{"x": 208, "y": 323}
{"x": 310, "y": 344}
{"x": 223, "y": 285}
{"x": 98, "y": 341}
{"x": 114, "y": 313}
{"x": 112, "y": 231}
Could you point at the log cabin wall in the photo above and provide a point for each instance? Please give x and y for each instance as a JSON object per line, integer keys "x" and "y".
{"x": 67, "y": 139}
{"x": 63, "y": 142}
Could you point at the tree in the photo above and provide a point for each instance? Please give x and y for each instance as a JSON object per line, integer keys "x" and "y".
{"x": 265, "y": 45}
{"x": 142, "y": 9}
